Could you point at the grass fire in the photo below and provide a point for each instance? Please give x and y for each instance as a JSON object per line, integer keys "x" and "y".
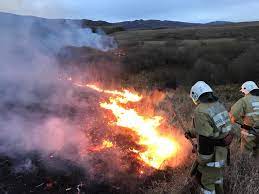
{"x": 106, "y": 107}
{"x": 157, "y": 148}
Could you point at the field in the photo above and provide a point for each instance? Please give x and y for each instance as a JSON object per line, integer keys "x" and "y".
{"x": 56, "y": 137}
{"x": 242, "y": 174}
{"x": 224, "y": 56}
{"x": 240, "y": 31}
{"x": 218, "y": 54}
{"x": 53, "y": 174}
{"x": 149, "y": 60}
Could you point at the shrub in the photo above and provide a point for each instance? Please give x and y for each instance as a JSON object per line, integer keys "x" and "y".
{"x": 246, "y": 66}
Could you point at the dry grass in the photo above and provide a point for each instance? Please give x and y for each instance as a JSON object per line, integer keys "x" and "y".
{"x": 245, "y": 32}
{"x": 242, "y": 176}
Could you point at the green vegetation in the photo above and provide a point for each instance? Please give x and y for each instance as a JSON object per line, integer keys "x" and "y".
{"x": 217, "y": 54}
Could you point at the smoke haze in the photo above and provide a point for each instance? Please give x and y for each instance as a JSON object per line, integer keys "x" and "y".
{"x": 35, "y": 106}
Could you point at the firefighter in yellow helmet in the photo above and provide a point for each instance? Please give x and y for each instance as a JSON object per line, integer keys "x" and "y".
{"x": 212, "y": 128}
{"x": 245, "y": 112}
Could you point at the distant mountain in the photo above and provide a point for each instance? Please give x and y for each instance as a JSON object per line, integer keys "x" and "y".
{"x": 150, "y": 24}
{"x": 139, "y": 24}
{"x": 153, "y": 24}
{"x": 116, "y": 26}
{"x": 95, "y": 23}
{"x": 219, "y": 23}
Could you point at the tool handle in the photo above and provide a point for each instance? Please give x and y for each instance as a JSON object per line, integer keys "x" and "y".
{"x": 247, "y": 128}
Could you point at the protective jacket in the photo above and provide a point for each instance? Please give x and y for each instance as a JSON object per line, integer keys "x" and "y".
{"x": 212, "y": 126}
{"x": 246, "y": 111}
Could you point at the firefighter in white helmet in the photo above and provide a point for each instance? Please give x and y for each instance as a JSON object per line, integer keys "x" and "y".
{"x": 212, "y": 128}
{"x": 245, "y": 112}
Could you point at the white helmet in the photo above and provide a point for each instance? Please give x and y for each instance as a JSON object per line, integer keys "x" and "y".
{"x": 248, "y": 86}
{"x": 198, "y": 89}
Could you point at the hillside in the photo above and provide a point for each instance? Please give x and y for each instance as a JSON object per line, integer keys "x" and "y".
{"x": 244, "y": 31}
{"x": 54, "y": 129}
{"x": 219, "y": 54}
{"x": 153, "y": 24}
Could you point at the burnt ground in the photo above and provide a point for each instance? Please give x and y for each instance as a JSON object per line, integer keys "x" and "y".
{"x": 36, "y": 175}
{"x": 33, "y": 171}
{"x": 37, "y": 178}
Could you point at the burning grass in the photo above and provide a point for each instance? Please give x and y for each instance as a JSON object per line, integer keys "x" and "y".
{"x": 158, "y": 149}
{"x": 134, "y": 146}
{"x": 118, "y": 139}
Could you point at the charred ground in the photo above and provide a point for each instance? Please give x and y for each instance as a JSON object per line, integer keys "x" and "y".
{"x": 37, "y": 170}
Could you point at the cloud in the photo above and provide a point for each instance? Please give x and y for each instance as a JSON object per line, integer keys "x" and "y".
{"x": 117, "y": 10}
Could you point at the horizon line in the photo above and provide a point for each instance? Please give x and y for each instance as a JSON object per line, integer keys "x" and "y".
{"x": 129, "y": 20}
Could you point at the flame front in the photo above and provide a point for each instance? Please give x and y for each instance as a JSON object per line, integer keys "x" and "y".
{"x": 158, "y": 148}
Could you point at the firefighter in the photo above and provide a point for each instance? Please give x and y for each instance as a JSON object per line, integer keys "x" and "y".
{"x": 212, "y": 127}
{"x": 245, "y": 112}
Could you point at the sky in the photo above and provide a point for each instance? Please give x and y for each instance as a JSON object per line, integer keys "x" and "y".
{"x": 121, "y": 10}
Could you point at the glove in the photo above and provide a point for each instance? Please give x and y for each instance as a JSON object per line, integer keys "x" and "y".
{"x": 188, "y": 135}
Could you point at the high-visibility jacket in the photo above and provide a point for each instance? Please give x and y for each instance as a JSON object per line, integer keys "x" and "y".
{"x": 211, "y": 122}
{"x": 246, "y": 111}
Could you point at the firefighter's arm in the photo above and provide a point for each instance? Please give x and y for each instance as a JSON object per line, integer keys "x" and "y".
{"x": 237, "y": 111}
{"x": 204, "y": 131}
{"x": 192, "y": 131}
{"x": 236, "y": 115}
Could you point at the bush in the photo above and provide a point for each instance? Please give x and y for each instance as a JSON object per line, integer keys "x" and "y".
{"x": 212, "y": 61}
{"x": 246, "y": 66}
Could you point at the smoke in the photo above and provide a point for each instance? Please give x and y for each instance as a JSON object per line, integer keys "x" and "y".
{"x": 38, "y": 112}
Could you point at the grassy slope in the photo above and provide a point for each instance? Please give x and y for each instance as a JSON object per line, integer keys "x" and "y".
{"x": 242, "y": 175}
{"x": 240, "y": 31}
{"x": 221, "y": 53}
{"x": 236, "y": 181}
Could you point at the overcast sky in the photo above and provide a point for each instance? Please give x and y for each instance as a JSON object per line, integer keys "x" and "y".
{"x": 119, "y": 10}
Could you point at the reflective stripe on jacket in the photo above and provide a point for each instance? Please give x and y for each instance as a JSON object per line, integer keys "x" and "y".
{"x": 212, "y": 120}
{"x": 246, "y": 110}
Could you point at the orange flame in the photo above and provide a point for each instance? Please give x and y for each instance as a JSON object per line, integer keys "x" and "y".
{"x": 158, "y": 148}
{"x": 106, "y": 144}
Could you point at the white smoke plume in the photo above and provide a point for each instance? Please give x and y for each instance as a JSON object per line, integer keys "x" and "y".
{"x": 34, "y": 104}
